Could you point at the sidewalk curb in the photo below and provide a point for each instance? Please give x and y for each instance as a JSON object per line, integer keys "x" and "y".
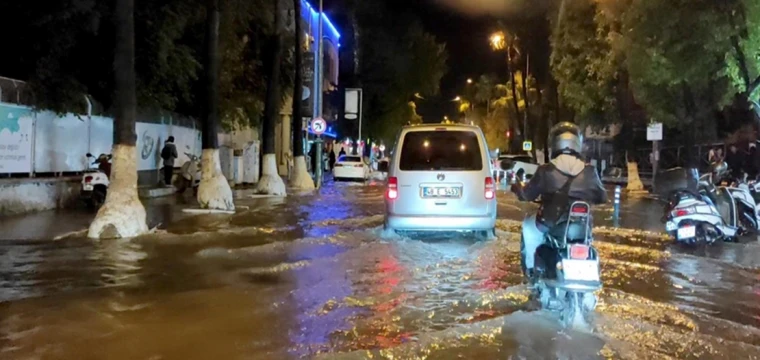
{"x": 154, "y": 192}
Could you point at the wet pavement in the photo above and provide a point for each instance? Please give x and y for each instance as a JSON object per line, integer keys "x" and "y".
{"x": 314, "y": 276}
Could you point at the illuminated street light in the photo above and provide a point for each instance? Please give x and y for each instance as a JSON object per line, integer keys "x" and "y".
{"x": 469, "y": 81}
{"x": 458, "y": 98}
{"x": 498, "y": 40}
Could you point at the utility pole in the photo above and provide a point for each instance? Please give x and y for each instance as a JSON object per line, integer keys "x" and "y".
{"x": 527, "y": 92}
{"x": 318, "y": 99}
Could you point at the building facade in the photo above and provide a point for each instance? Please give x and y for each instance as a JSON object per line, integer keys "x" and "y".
{"x": 310, "y": 20}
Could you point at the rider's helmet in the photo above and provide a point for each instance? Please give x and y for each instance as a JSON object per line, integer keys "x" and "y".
{"x": 718, "y": 169}
{"x": 565, "y": 138}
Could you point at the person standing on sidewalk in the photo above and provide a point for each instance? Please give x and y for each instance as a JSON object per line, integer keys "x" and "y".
{"x": 169, "y": 153}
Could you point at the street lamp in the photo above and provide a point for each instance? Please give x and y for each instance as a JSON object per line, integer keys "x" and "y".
{"x": 458, "y": 98}
{"x": 469, "y": 81}
{"x": 498, "y": 40}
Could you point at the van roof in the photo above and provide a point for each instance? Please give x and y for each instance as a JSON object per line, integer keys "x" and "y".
{"x": 439, "y": 126}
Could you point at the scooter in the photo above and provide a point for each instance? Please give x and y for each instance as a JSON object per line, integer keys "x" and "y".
{"x": 95, "y": 181}
{"x": 706, "y": 217}
{"x": 566, "y": 271}
{"x": 746, "y": 206}
{"x": 190, "y": 174}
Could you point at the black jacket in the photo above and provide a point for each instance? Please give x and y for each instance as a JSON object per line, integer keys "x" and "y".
{"x": 587, "y": 186}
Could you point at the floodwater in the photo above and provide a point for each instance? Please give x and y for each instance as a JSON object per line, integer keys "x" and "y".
{"x": 313, "y": 276}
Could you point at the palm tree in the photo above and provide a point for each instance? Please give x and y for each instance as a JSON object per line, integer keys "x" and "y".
{"x": 300, "y": 178}
{"x": 271, "y": 183}
{"x": 122, "y": 214}
{"x": 214, "y": 191}
{"x": 509, "y": 43}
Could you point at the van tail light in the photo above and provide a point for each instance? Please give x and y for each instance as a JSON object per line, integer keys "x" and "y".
{"x": 490, "y": 188}
{"x": 87, "y": 179}
{"x": 392, "y": 192}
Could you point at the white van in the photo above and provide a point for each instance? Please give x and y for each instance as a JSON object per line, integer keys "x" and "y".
{"x": 440, "y": 179}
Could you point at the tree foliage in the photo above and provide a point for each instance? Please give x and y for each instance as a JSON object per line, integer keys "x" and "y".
{"x": 67, "y": 53}
{"x": 397, "y": 59}
{"x": 743, "y": 60}
{"x": 676, "y": 52}
{"x": 584, "y": 63}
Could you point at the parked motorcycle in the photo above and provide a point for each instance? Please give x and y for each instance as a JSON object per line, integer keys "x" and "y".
{"x": 566, "y": 271}
{"x": 747, "y": 208}
{"x": 190, "y": 174}
{"x": 703, "y": 217}
{"x": 95, "y": 181}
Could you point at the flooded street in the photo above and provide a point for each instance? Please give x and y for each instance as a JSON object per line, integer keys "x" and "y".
{"x": 314, "y": 276}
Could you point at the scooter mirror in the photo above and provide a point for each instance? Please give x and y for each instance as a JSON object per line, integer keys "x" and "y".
{"x": 88, "y": 155}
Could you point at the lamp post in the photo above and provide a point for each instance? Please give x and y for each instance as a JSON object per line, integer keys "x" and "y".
{"x": 318, "y": 98}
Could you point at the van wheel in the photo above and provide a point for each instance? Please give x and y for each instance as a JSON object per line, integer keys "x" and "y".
{"x": 488, "y": 234}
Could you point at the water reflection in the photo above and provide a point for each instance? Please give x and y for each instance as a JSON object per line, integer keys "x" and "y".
{"x": 120, "y": 262}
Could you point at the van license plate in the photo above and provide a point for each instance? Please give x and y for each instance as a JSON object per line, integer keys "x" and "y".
{"x": 580, "y": 270}
{"x": 687, "y": 232}
{"x": 441, "y": 192}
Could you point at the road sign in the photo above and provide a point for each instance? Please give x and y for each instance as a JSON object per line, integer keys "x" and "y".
{"x": 527, "y": 145}
{"x": 318, "y": 126}
{"x": 654, "y": 132}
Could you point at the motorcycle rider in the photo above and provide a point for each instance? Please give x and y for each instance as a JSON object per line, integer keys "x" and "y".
{"x": 565, "y": 179}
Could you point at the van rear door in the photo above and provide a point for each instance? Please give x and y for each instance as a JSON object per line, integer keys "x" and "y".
{"x": 442, "y": 172}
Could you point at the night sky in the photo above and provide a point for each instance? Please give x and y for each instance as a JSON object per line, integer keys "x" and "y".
{"x": 465, "y": 28}
{"x": 470, "y": 55}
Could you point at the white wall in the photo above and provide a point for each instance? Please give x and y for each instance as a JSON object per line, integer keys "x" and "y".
{"x": 43, "y": 142}
{"x": 16, "y": 137}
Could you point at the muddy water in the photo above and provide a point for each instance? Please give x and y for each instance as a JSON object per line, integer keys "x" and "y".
{"x": 315, "y": 277}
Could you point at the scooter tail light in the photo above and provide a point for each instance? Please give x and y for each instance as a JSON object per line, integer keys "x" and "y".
{"x": 490, "y": 192}
{"x": 683, "y": 212}
{"x": 579, "y": 252}
{"x": 87, "y": 179}
{"x": 579, "y": 209}
{"x": 392, "y": 191}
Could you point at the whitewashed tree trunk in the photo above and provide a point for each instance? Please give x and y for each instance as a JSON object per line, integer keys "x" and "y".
{"x": 271, "y": 183}
{"x": 214, "y": 191}
{"x": 122, "y": 214}
{"x": 301, "y": 179}
{"x": 634, "y": 181}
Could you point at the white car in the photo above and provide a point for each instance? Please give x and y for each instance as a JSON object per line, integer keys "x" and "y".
{"x": 350, "y": 167}
{"x": 511, "y": 164}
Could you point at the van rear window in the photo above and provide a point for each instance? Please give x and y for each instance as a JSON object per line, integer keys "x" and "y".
{"x": 441, "y": 150}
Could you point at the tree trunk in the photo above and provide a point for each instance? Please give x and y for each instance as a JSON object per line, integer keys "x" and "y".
{"x": 300, "y": 178}
{"x": 514, "y": 94}
{"x": 122, "y": 214}
{"x": 214, "y": 191}
{"x": 270, "y": 182}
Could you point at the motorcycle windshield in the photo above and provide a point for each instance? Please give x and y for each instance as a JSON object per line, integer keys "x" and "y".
{"x": 724, "y": 202}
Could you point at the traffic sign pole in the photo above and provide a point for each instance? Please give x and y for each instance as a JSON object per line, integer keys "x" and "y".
{"x": 318, "y": 127}
{"x": 319, "y": 162}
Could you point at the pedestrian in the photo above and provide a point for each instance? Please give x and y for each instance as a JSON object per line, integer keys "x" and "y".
{"x": 735, "y": 160}
{"x": 313, "y": 157}
{"x": 342, "y": 151}
{"x": 751, "y": 162}
{"x": 719, "y": 157}
{"x": 712, "y": 156}
{"x": 332, "y": 159}
{"x": 169, "y": 153}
